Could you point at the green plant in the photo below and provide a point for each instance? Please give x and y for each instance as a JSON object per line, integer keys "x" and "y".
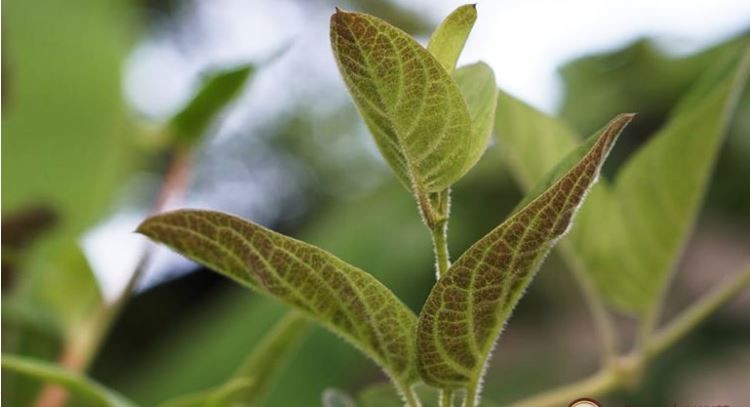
{"x": 432, "y": 123}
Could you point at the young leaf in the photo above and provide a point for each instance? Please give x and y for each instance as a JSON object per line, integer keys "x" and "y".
{"x": 411, "y": 105}
{"x": 341, "y": 297}
{"x": 77, "y": 384}
{"x": 216, "y": 92}
{"x": 468, "y": 306}
{"x": 653, "y": 203}
{"x": 449, "y": 38}
{"x": 477, "y": 84}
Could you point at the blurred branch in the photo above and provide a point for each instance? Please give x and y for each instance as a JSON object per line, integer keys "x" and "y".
{"x": 74, "y": 382}
{"x": 626, "y": 370}
{"x": 697, "y": 313}
{"x": 79, "y": 351}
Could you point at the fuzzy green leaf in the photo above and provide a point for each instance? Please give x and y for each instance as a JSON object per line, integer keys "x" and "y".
{"x": 469, "y": 305}
{"x": 78, "y": 385}
{"x": 217, "y": 91}
{"x": 413, "y": 108}
{"x": 653, "y": 202}
{"x": 477, "y": 84}
{"x": 343, "y": 298}
{"x": 449, "y": 38}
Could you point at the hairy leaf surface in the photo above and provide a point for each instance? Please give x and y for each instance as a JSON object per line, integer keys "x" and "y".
{"x": 477, "y": 84}
{"x": 468, "y": 306}
{"x": 340, "y": 296}
{"x": 412, "y": 106}
{"x": 652, "y": 205}
{"x": 449, "y": 38}
{"x": 217, "y": 91}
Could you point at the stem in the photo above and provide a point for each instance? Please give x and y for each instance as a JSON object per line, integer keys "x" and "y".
{"x": 407, "y": 392}
{"x": 602, "y": 319}
{"x": 471, "y": 398}
{"x": 446, "y": 398}
{"x": 440, "y": 244}
{"x": 599, "y": 383}
{"x": 697, "y": 313}
{"x": 81, "y": 347}
{"x": 440, "y": 202}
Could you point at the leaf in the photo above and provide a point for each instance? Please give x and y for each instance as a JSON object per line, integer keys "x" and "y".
{"x": 411, "y": 105}
{"x": 653, "y": 203}
{"x": 252, "y": 381}
{"x": 449, "y": 38}
{"x": 468, "y": 306}
{"x": 343, "y": 298}
{"x": 215, "y": 397}
{"x": 77, "y": 384}
{"x": 270, "y": 356}
{"x": 477, "y": 84}
{"x": 218, "y": 90}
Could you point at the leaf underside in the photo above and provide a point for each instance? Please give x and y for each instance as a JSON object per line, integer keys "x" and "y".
{"x": 651, "y": 206}
{"x": 477, "y": 84}
{"x": 411, "y": 105}
{"x": 343, "y": 298}
{"x": 468, "y": 306}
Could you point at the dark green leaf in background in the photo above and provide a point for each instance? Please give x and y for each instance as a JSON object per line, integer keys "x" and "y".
{"x": 218, "y": 89}
{"x": 650, "y": 209}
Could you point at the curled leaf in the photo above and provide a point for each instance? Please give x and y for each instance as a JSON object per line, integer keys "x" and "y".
{"x": 477, "y": 84}
{"x": 343, "y": 298}
{"x": 449, "y": 38}
{"x": 469, "y": 305}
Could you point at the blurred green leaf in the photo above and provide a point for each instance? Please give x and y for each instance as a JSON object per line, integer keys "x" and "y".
{"x": 61, "y": 120}
{"x": 79, "y": 385}
{"x": 217, "y": 397}
{"x": 253, "y": 379}
{"x": 65, "y": 147}
{"x": 469, "y": 305}
{"x": 477, "y": 84}
{"x": 641, "y": 77}
{"x": 341, "y": 297}
{"x": 448, "y": 40}
{"x": 411, "y": 105}
{"x": 655, "y": 198}
{"x": 219, "y": 89}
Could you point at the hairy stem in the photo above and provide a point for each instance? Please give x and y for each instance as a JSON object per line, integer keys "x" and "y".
{"x": 440, "y": 244}
{"x": 446, "y": 398}
{"x": 471, "y": 398}
{"x": 407, "y": 392}
{"x": 697, "y": 313}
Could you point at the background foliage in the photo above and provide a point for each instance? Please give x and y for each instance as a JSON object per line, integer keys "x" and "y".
{"x": 75, "y": 153}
